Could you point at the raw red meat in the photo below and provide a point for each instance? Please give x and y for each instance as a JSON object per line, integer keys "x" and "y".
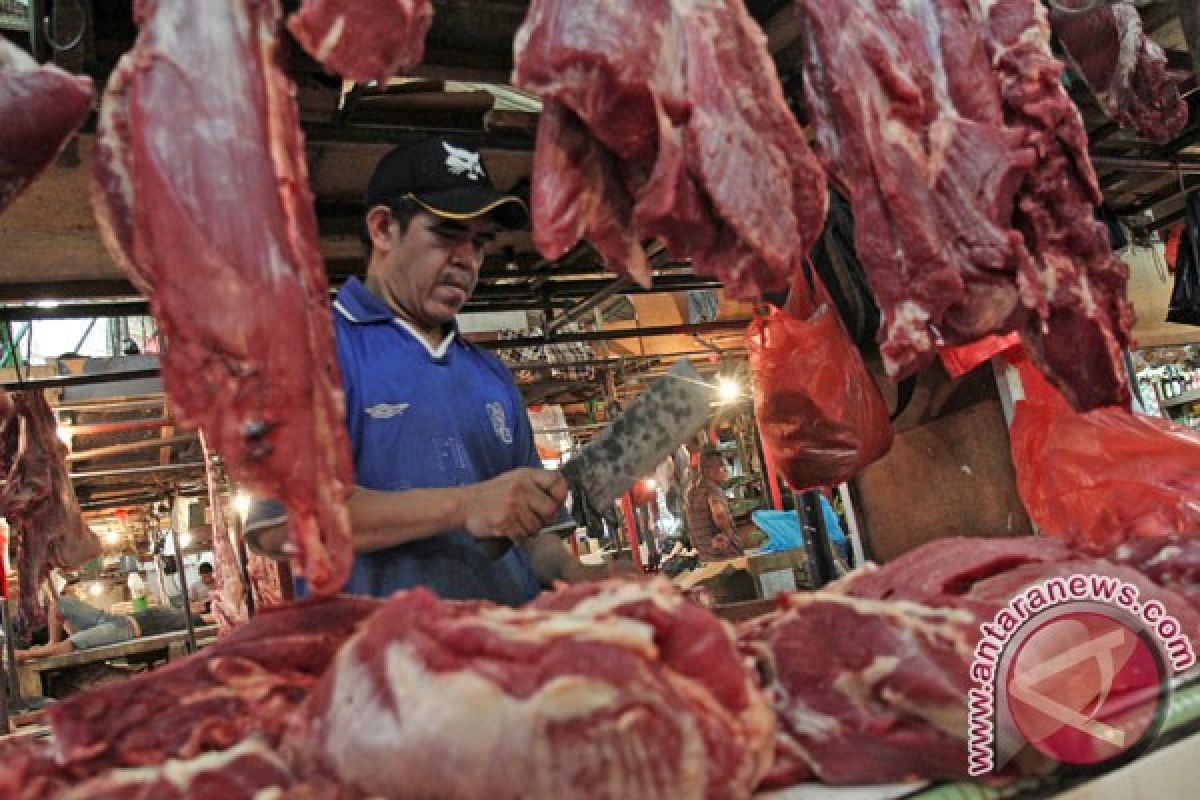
{"x": 38, "y": 500}
{"x": 41, "y": 107}
{"x": 363, "y": 40}
{"x": 578, "y": 195}
{"x": 949, "y": 568}
{"x": 1172, "y": 562}
{"x": 1099, "y": 479}
{"x": 1125, "y": 69}
{"x": 966, "y": 166}
{"x": 690, "y": 139}
{"x": 909, "y": 121}
{"x": 28, "y": 770}
{"x": 887, "y": 698}
{"x": 613, "y": 690}
{"x": 201, "y": 192}
{"x": 244, "y": 685}
{"x": 1083, "y": 320}
{"x": 865, "y": 691}
{"x": 266, "y": 582}
{"x": 228, "y": 598}
{"x": 239, "y": 773}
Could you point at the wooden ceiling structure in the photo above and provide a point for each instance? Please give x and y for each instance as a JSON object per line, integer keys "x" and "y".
{"x": 126, "y": 450}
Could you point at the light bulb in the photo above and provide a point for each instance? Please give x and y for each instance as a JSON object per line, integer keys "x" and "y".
{"x": 112, "y": 537}
{"x": 241, "y": 504}
{"x": 728, "y": 390}
{"x": 96, "y": 589}
{"x": 185, "y": 539}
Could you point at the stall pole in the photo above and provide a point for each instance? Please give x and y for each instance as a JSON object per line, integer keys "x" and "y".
{"x": 772, "y": 475}
{"x": 183, "y": 587}
{"x": 631, "y": 526}
{"x": 821, "y": 549}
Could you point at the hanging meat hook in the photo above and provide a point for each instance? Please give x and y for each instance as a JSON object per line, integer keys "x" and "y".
{"x": 54, "y": 43}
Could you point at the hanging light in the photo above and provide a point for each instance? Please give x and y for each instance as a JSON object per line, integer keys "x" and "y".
{"x": 96, "y": 588}
{"x": 185, "y": 539}
{"x": 241, "y": 504}
{"x": 112, "y": 537}
{"x": 728, "y": 390}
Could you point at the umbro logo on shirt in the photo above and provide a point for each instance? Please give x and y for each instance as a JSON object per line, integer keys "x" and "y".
{"x": 386, "y": 410}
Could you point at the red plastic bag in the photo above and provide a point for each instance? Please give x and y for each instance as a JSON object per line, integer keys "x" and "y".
{"x": 961, "y": 359}
{"x": 819, "y": 412}
{"x": 1103, "y": 477}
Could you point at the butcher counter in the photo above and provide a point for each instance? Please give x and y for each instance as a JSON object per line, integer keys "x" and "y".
{"x": 30, "y": 673}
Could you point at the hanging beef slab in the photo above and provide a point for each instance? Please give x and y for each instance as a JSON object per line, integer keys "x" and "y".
{"x": 201, "y": 192}
{"x": 1125, "y": 69}
{"x": 363, "y": 40}
{"x": 40, "y": 108}
{"x": 966, "y": 165}
{"x": 670, "y": 121}
{"x": 38, "y": 500}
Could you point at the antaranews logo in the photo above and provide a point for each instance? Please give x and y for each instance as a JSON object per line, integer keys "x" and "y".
{"x": 1079, "y": 667}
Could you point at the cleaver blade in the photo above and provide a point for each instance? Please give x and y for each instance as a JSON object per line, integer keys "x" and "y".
{"x": 651, "y": 428}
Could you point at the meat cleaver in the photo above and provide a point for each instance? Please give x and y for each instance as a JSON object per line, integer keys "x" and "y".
{"x": 649, "y": 430}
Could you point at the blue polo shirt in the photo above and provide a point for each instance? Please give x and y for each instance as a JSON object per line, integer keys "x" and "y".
{"x": 426, "y": 418}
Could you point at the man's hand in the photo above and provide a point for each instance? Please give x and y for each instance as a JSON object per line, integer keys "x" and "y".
{"x": 22, "y": 655}
{"x": 515, "y": 504}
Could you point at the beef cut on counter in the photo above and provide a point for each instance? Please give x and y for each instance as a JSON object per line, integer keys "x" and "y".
{"x": 201, "y": 192}
{"x": 38, "y": 499}
{"x": 611, "y": 690}
{"x": 41, "y": 107}
{"x": 244, "y": 685}
{"x": 363, "y": 40}
{"x": 1125, "y": 69}
{"x": 886, "y": 699}
{"x": 667, "y": 119}
{"x": 966, "y": 166}
{"x": 246, "y": 771}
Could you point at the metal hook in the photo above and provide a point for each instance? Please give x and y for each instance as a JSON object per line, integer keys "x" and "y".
{"x": 57, "y": 46}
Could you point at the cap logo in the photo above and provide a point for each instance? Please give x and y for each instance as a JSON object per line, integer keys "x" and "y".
{"x": 463, "y": 162}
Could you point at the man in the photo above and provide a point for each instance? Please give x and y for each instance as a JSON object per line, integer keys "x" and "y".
{"x": 87, "y": 626}
{"x": 443, "y": 449}
{"x": 198, "y": 593}
{"x": 706, "y": 510}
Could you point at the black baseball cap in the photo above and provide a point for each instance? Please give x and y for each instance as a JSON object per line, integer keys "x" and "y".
{"x": 446, "y": 178}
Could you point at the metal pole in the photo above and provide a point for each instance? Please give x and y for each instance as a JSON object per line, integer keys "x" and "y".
{"x": 576, "y": 313}
{"x": 183, "y": 587}
{"x": 11, "y": 673}
{"x": 822, "y": 548}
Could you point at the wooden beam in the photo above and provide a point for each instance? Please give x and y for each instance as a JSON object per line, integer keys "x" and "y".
{"x": 130, "y": 447}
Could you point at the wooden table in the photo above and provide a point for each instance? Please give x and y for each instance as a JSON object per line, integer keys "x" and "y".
{"x": 29, "y": 673}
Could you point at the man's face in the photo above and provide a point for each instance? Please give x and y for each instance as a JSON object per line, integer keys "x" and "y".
{"x": 429, "y": 271}
{"x": 208, "y": 578}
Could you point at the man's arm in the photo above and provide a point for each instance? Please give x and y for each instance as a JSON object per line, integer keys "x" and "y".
{"x": 43, "y": 650}
{"x": 54, "y": 619}
{"x": 516, "y": 504}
